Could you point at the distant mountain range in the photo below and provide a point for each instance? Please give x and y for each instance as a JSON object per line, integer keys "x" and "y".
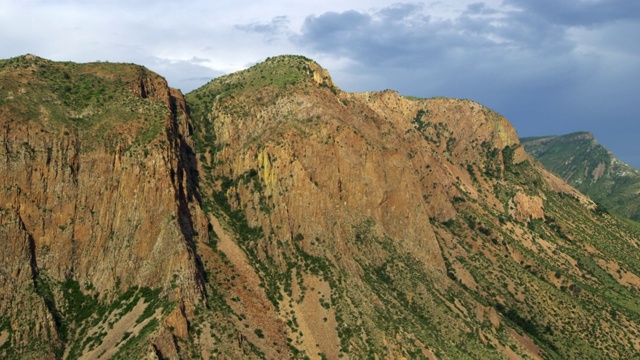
{"x": 591, "y": 168}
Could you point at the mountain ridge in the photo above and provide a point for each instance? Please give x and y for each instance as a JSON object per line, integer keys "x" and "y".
{"x": 451, "y": 207}
{"x": 286, "y": 218}
{"x": 590, "y": 167}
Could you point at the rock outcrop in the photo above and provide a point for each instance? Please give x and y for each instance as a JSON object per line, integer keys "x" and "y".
{"x": 527, "y": 208}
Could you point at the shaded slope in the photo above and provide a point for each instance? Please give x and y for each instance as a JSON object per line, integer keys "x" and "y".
{"x": 591, "y": 168}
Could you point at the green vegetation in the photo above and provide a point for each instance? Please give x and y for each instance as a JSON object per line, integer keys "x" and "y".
{"x": 138, "y": 344}
{"x": 98, "y": 102}
{"x": 592, "y": 169}
{"x": 75, "y": 312}
{"x": 277, "y": 72}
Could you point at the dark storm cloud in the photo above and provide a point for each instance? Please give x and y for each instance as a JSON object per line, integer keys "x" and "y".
{"x": 338, "y": 33}
{"x": 405, "y": 31}
{"x": 546, "y": 65}
{"x": 394, "y": 36}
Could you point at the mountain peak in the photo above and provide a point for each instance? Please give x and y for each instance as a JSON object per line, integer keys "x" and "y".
{"x": 302, "y": 65}
{"x": 30, "y": 57}
{"x": 25, "y": 60}
{"x": 276, "y": 72}
{"x": 288, "y": 59}
{"x": 67, "y": 96}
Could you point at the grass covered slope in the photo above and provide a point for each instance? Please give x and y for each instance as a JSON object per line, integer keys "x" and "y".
{"x": 100, "y": 101}
{"x": 591, "y": 168}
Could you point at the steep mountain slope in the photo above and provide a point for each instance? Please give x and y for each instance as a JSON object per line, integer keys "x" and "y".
{"x": 288, "y": 219}
{"x": 419, "y": 228}
{"x": 591, "y": 168}
{"x": 96, "y": 202}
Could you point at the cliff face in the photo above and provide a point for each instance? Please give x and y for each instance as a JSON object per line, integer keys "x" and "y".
{"x": 276, "y": 216}
{"x": 104, "y": 200}
{"x": 342, "y": 158}
{"x": 424, "y": 214}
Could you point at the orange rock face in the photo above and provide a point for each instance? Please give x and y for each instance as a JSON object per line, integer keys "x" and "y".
{"x": 341, "y": 161}
{"x": 109, "y": 213}
{"x": 527, "y": 207}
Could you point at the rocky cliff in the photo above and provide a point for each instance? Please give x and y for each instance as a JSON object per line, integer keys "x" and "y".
{"x": 276, "y": 216}
{"x": 433, "y": 229}
{"x": 97, "y": 193}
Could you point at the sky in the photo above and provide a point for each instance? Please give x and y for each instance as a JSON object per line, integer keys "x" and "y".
{"x": 550, "y": 66}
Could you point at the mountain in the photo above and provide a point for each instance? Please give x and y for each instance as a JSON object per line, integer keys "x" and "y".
{"x": 272, "y": 215}
{"x": 98, "y": 208}
{"x": 591, "y": 168}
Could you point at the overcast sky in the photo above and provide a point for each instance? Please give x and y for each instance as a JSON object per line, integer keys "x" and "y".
{"x": 549, "y": 66}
